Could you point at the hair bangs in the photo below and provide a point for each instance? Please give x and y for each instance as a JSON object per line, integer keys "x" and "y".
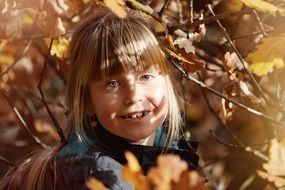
{"x": 125, "y": 46}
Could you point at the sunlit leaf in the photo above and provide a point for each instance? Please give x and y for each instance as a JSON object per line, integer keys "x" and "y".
{"x": 117, "y": 7}
{"x": 278, "y": 181}
{"x": 6, "y": 59}
{"x": 27, "y": 20}
{"x": 190, "y": 61}
{"x": 94, "y": 184}
{"x": 132, "y": 173}
{"x": 132, "y": 162}
{"x": 268, "y": 55}
{"x": 185, "y": 43}
{"x": 276, "y": 164}
{"x": 275, "y": 167}
{"x": 169, "y": 169}
{"x": 189, "y": 180}
{"x": 60, "y": 47}
{"x": 264, "y": 6}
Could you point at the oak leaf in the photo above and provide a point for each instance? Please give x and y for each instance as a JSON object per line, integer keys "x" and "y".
{"x": 275, "y": 167}
{"x": 132, "y": 173}
{"x": 278, "y": 181}
{"x": 276, "y": 164}
{"x": 268, "y": 55}
{"x": 169, "y": 169}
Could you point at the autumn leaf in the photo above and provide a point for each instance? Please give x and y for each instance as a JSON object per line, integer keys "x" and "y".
{"x": 275, "y": 167}
{"x": 268, "y": 55}
{"x": 278, "y": 181}
{"x": 190, "y": 62}
{"x": 132, "y": 173}
{"x": 189, "y": 180}
{"x": 94, "y": 184}
{"x": 59, "y": 47}
{"x": 276, "y": 164}
{"x": 6, "y": 59}
{"x": 264, "y": 7}
{"x": 169, "y": 169}
{"x": 185, "y": 43}
{"x": 117, "y": 7}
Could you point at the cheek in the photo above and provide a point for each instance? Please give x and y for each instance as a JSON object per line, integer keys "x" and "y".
{"x": 158, "y": 93}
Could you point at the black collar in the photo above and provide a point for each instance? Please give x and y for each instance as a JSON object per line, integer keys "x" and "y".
{"x": 116, "y": 147}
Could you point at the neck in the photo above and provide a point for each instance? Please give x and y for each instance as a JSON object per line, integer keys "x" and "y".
{"x": 149, "y": 141}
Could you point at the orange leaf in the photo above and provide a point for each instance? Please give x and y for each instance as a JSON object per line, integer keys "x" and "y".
{"x": 94, "y": 184}
{"x": 132, "y": 173}
{"x": 169, "y": 168}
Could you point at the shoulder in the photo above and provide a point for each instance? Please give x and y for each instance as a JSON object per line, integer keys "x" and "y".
{"x": 104, "y": 168}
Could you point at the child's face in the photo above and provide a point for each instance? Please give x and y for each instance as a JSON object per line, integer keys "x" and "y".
{"x": 131, "y": 104}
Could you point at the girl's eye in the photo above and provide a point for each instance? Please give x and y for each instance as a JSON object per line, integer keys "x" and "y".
{"x": 146, "y": 77}
{"x": 112, "y": 84}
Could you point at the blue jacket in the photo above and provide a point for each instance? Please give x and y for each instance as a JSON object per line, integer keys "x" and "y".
{"x": 104, "y": 158}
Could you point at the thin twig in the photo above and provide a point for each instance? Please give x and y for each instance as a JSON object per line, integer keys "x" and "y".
{"x": 203, "y": 21}
{"x": 164, "y": 7}
{"x": 239, "y": 56}
{"x": 223, "y": 143}
{"x": 22, "y": 121}
{"x": 232, "y": 134}
{"x": 180, "y": 11}
{"x": 202, "y": 85}
{"x": 190, "y": 5}
{"x": 260, "y": 23}
{"x": 249, "y": 35}
{"x": 56, "y": 124}
{"x": 247, "y": 148}
{"x": 4, "y": 160}
{"x": 16, "y": 61}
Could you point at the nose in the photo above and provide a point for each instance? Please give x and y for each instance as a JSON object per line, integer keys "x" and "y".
{"x": 133, "y": 94}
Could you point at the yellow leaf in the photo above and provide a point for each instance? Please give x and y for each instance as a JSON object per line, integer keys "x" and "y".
{"x": 94, "y": 184}
{"x": 132, "y": 162}
{"x": 264, "y": 6}
{"x": 59, "y": 47}
{"x": 268, "y": 55}
{"x": 132, "y": 173}
{"x": 28, "y": 20}
{"x": 169, "y": 169}
{"x": 117, "y": 7}
{"x": 6, "y": 59}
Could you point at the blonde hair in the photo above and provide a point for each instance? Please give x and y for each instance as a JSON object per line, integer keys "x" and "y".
{"x": 105, "y": 44}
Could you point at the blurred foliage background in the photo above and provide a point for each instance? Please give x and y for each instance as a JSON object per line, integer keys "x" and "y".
{"x": 231, "y": 53}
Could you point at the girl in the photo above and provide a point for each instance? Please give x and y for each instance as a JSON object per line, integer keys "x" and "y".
{"x": 121, "y": 97}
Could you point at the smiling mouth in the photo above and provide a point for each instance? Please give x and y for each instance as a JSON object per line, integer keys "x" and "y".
{"x": 136, "y": 115}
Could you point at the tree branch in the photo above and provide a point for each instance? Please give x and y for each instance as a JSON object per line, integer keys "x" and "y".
{"x": 22, "y": 121}
{"x": 202, "y": 85}
{"x": 239, "y": 56}
{"x": 56, "y": 124}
